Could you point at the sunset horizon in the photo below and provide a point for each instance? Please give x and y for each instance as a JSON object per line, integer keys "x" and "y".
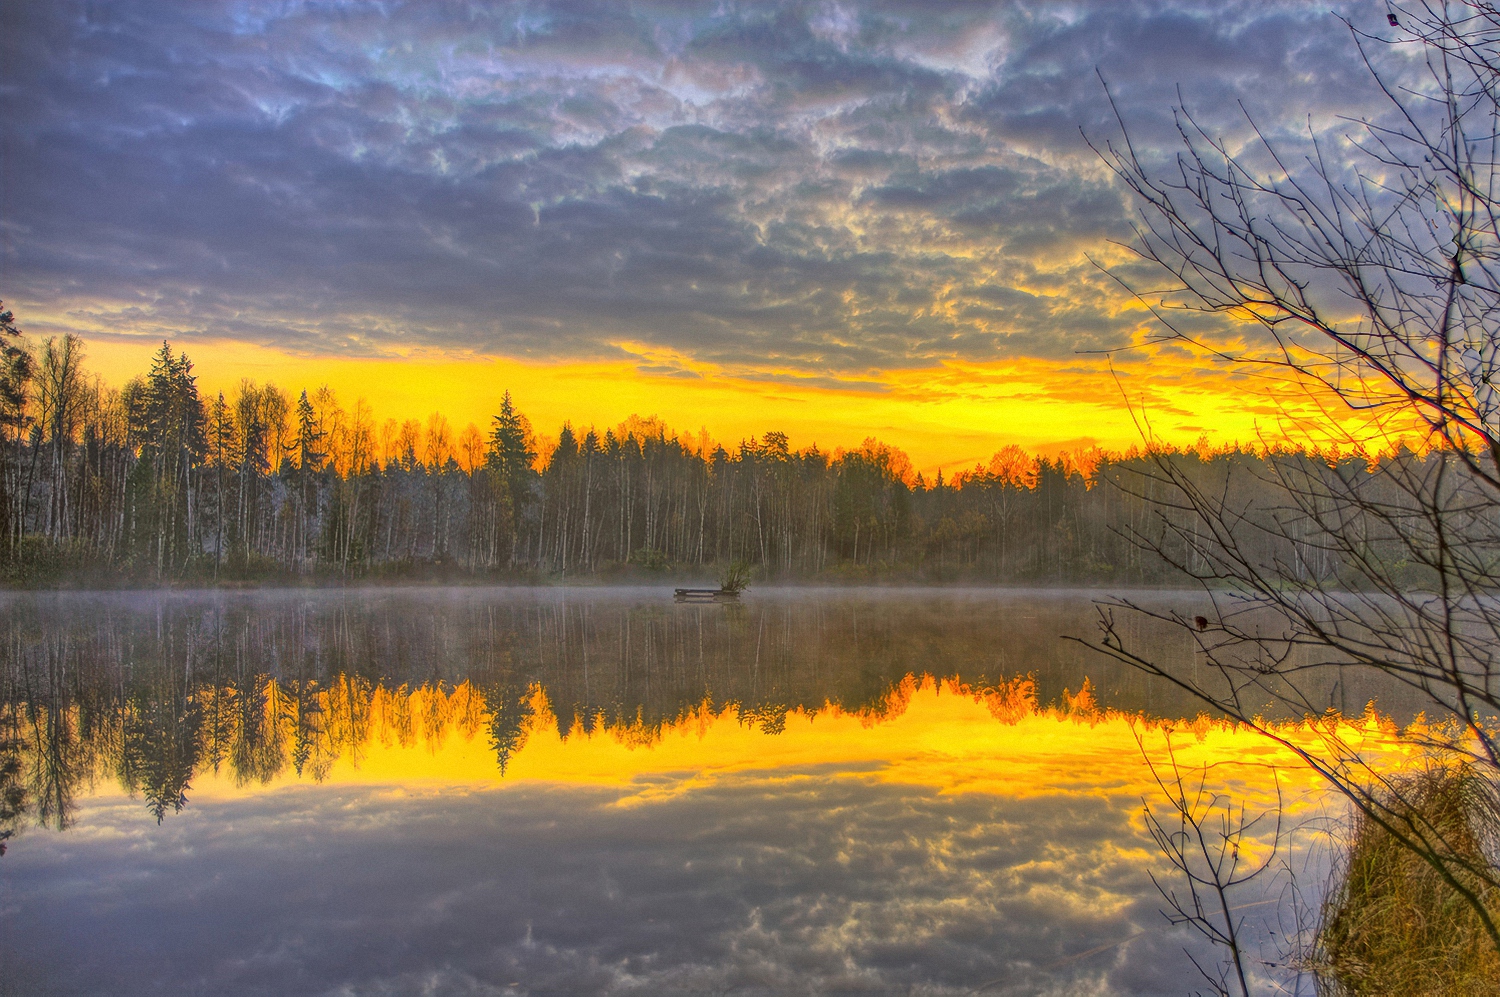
{"x": 941, "y": 417}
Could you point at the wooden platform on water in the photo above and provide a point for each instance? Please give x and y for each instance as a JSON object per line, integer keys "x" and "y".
{"x": 704, "y": 595}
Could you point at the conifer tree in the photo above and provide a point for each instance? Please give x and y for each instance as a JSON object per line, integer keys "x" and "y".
{"x": 511, "y": 458}
{"x": 173, "y": 444}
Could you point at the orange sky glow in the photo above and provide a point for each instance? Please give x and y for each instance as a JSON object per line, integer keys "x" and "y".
{"x": 949, "y": 416}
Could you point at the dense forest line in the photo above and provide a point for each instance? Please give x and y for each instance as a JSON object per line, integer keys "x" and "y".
{"x": 152, "y": 482}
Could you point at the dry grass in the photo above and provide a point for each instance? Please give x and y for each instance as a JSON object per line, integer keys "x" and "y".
{"x": 1392, "y": 926}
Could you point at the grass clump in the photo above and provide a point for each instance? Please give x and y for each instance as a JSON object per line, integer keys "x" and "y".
{"x": 735, "y": 578}
{"x": 1392, "y": 925}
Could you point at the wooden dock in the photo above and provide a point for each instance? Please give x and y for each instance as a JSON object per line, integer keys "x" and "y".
{"x": 705, "y": 595}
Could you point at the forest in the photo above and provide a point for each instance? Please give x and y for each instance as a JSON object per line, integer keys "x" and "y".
{"x": 153, "y": 483}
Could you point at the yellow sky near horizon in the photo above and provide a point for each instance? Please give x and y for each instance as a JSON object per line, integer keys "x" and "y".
{"x": 950, "y": 416}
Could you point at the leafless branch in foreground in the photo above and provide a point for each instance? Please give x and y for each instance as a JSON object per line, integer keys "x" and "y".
{"x": 1366, "y": 268}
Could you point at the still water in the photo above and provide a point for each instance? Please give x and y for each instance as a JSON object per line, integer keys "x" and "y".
{"x": 502, "y": 791}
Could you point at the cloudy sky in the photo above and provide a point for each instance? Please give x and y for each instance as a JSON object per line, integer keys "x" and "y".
{"x": 835, "y": 218}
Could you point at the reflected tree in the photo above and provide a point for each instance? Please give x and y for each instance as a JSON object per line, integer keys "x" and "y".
{"x": 161, "y": 744}
{"x": 249, "y": 688}
{"x": 510, "y": 716}
{"x": 12, "y": 785}
{"x": 60, "y": 760}
{"x": 258, "y": 752}
{"x": 306, "y": 710}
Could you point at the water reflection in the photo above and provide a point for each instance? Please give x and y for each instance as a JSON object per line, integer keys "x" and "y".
{"x": 505, "y": 792}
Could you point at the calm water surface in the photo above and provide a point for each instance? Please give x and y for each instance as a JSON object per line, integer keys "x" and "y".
{"x": 595, "y": 791}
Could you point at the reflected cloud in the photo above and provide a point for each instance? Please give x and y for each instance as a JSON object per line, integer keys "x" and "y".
{"x": 710, "y": 858}
{"x": 841, "y": 884}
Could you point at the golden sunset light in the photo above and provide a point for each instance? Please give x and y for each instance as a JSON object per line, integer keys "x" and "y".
{"x": 948, "y": 417}
{"x": 935, "y": 734}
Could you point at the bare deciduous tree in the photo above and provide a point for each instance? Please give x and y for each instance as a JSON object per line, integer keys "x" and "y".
{"x": 1366, "y": 269}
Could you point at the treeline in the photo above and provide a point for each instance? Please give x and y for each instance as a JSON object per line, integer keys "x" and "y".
{"x": 154, "y": 482}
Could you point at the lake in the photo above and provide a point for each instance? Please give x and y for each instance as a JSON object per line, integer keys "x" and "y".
{"x": 512, "y": 791}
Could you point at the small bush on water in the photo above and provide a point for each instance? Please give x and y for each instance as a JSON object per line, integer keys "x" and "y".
{"x": 1392, "y": 926}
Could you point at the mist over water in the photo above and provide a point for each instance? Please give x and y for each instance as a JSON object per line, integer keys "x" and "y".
{"x": 595, "y": 790}
{"x": 628, "y": 649}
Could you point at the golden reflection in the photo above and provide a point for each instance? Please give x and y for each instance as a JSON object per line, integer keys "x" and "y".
{"x": 171, "y": 747}
{"x": 937, "y": 733}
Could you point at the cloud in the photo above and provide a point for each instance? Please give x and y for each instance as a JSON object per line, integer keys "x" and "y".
{"x": 824, "y": 189}
{"x": 786, "y": 883}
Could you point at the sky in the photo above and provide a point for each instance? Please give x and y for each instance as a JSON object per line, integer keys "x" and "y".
{"x": 835, "y": 220}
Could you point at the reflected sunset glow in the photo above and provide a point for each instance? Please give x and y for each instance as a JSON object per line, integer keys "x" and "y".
{"x": 935, "y": 733}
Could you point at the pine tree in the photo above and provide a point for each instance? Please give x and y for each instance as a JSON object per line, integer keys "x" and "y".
{"x": 510, "y": 458}
{"x": 310, "y": 453}
{"x": 173, "y": 444}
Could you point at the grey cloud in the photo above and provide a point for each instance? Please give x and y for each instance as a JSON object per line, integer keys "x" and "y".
{"x": 1279, "y": 62}
{"x": 771, "y": 188}
{"x": 1026, "y": 212}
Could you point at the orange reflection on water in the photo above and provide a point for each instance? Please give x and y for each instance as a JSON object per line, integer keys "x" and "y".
{"x": 936, "y": 733}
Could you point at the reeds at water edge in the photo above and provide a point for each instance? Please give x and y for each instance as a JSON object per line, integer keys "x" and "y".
{"x": 1392, "y": 924}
